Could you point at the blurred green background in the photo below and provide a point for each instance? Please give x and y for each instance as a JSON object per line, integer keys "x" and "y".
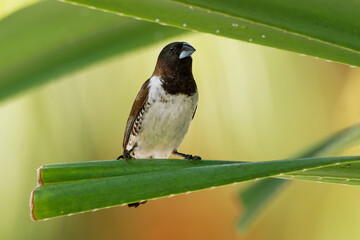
{"x": 256, "y": 103}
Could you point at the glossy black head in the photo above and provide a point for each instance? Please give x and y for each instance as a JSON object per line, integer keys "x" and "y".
{"x": 176, "y": 51}
{"x": 174, "y": 67}
{"x": 173, "y": 58}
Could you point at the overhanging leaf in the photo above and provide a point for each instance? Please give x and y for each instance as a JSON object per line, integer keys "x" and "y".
{"x": 49, "y": 39}
{"x": 59, "y": 199}
{"x": 318, "y": 28}
{"x": 266, "y": 189}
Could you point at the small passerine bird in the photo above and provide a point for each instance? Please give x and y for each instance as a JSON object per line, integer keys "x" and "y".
{"x": 163, "y": 109}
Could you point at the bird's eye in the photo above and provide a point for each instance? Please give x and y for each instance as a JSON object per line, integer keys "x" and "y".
{"x": 172, "y": 49}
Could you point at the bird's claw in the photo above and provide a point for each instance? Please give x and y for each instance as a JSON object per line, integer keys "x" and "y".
{"x": 193, "y": 158}
{"x": 126, "y": 156}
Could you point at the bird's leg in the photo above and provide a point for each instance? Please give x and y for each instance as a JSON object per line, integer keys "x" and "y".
{"x": 126, "y": 155}
{"x": 187, "y": 156}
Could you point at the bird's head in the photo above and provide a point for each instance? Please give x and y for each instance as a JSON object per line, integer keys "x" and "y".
{"x": 173, "y": 58}
{"x": 176, "y": 51}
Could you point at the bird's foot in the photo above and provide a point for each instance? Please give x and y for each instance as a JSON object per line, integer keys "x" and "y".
{"x": 136, "y": 204}
{"x": 193, "y": 158}
{"x": 187, "y": 156}
{"x": 126, "y": 156}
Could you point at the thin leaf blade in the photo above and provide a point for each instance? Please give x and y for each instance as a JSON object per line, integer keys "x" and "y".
{"x": 346, "y": 174}
{"x": 336, "y": 180}
{"x": 72, "y": 197}
{"x": 69, "y": 172}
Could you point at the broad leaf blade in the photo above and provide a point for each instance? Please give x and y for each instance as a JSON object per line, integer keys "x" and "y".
{"x": 267, "y": 190}
{"x": 212, "y": 17}
{"x": 72, "y": 197}
{"x": 49, "y": 39}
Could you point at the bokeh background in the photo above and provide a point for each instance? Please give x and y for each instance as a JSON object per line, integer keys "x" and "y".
{"x": 256, "y": 103}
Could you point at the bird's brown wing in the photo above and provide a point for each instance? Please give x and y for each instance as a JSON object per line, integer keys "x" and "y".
{"x": 136, "y": 108}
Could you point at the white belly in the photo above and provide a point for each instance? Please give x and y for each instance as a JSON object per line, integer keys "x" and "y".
{"x": 165, "y": 123}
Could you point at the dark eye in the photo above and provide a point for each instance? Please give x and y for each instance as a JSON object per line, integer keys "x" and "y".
{"x": 172, "y": 49}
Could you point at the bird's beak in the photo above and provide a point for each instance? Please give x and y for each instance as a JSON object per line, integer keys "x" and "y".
{"x": 186, "y": 51}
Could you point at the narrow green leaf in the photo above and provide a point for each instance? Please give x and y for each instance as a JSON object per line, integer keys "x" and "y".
{"x": 341, "y": 171}
{"x": 63, "y": 172}
{"x": 70, "y": 172}
{"x": 49, "y": 39}
{"x": 59, "y": 199}
{"x": 347, "y": 174}
{"x": 67, "y": 172}
{"x": 267, "y": 189}
{"x": 337, "y": 180}
{"x": 317, "y": 28}
{"x": 336, "y": 143}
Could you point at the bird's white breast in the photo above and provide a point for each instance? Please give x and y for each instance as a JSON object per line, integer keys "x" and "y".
{"x": 165, "y": 122}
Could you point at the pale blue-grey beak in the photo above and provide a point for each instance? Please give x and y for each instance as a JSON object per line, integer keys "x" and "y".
{"x": 186, "y": 51}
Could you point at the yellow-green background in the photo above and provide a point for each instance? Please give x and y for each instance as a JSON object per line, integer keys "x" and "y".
{"x": 256, "y": 103}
